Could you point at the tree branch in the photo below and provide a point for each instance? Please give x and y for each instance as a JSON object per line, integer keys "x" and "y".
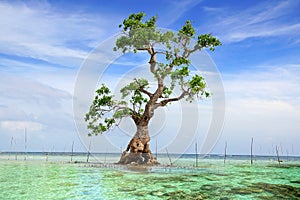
{"x": 142, "y": 89}
{"x": 152, "y": 60}
{"x": 166, "y": 101}
{"x": 145, "y": 92}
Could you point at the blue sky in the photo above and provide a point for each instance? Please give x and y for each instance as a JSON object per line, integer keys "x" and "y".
{"x": 43, "y": 45}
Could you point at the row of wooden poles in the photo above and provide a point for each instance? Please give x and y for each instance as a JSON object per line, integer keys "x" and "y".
{"x": 225, "y": 154}
{"x": 251, "y": 153}
{"x": 47, "y": 153}
{"x": 170, "y": 160}
{"x": 25, "y": 148}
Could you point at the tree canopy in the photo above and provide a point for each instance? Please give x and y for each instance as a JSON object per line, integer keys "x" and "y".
{"x": 171, "y": 71}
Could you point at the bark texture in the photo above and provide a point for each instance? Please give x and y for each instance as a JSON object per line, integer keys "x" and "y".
{"x": 138, "y": 151}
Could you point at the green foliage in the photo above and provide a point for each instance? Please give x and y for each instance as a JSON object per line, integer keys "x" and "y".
{"x": 178, "y": 76}
{"x": 119, "y": 114}
{"x": 97, "y": 116}
{"x": 134, "y": 21}
{"x": 134, "y": 86}
{"x": 180, "y": 61}
{"x": 197, "y": 84}
{"x": 187, "y": 29}
{"x": 208, "y": 41}
{"x": 135, "y": 89}
{"x": 167, "y": 92}
{"x": 140, "y": 34}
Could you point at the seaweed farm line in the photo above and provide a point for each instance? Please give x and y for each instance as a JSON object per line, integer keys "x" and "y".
{"x": 185, "y": 160}
{"x": 58, "y": 178}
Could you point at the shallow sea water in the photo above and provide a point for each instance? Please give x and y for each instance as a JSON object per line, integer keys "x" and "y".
{"x": 58, "y": 179}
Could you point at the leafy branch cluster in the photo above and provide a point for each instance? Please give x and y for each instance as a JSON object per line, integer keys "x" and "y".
{"x": 175, "y": 49}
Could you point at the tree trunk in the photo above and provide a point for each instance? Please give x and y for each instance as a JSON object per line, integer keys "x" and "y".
{"x": 138, "y": 150}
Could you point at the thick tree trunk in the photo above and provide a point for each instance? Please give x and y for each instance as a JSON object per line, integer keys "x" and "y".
{"x": 138, "y": 150}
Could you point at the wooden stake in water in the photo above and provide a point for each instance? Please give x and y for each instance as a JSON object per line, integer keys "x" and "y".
{"x": 278, "y": 159}
{"x": 156, "y": 149}
{"x": 25, "y": 144}
{"x": 88, "y": 155}
{"x": 251, "y": 148}
{"x": 72, "y": 151}
{"x": 105, "y": 156}
{"x": 16, "y": 155}
{"x": 11, "y": 143}
{"x": 225, "y": 149}
{"x": 169, "y": 157}
{"x": 196, "y": 151}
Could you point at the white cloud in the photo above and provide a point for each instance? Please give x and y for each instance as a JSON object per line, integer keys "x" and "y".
{"x": 269, "y": 83}
{"x": 41, "y": 33}
{"x": 21, "y": 125}
{"x": 29, "y": 100}
{"x": 44, "y": 110}
{"x": 177, "y": 9}
{"x": 262, "y": 20}
{"x": 263, "y": 105}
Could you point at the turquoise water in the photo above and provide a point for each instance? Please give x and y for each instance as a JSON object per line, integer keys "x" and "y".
{"x": 37, "y": 178}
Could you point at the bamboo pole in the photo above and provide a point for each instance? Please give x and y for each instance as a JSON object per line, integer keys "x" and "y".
{"x": 278, "y": 159}
{"x": 105, "y": 156}
{"x": 25, "y": 144}
{"x": 281, "y": 149}
{"x": 251, "y": 151}
{"x": 156, "y": 149}
{"x": 169, "y": 157}
{"x": 72, "y": 151}
{"x": 225, "y": 149}
{"x": 88, "y": 155}
{"x": 11, "y": 144}
{"x": 16, "y": 155}
{"x": 196, "y": 151}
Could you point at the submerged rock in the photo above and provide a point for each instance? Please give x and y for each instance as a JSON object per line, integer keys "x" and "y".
{"x": 126, "y": 189}
{"x": 297, "y": 181}
{"x": 209, "y": 187}
{"x": 279, "y": 190}
{"x": 157, "y": 193}
{"x": 224, "y": 198}
{"x": 242, "y": 191}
